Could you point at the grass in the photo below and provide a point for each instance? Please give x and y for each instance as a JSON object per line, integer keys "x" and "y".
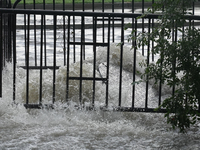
{"x": 76, "y": 1}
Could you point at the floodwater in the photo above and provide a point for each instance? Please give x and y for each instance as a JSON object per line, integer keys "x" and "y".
{"x": 68, "y": 128}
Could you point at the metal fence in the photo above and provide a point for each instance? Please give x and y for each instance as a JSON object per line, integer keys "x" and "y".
{"x": 6, "y": 38}
{"x": 56, "y": 35}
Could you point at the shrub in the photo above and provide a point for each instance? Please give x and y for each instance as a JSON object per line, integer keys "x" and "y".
{"x": 179, "y": 63}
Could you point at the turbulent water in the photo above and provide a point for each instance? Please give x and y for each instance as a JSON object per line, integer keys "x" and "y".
{"x": 69, "y": 128}
{"x": 72, "y": 129}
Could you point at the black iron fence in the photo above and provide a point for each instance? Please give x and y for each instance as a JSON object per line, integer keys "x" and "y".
{"x": 6, "y": 33}
{"x": 61, "y": 40}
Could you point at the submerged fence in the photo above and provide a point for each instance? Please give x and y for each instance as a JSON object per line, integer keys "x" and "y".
{"x": 60, "y": 40}
{"x": 6, "y": 38}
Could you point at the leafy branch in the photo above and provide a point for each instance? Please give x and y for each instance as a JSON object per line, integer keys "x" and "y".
{"x": 177, "y": 43}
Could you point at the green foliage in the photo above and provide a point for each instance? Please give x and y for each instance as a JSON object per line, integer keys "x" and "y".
{"x": 179, "y": 63}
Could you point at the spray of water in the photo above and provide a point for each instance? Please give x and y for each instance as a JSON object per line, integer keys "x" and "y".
{"x": 77, "y": 129}
{"x": 87, "y": 86}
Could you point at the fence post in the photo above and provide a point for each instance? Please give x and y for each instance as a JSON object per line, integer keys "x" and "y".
{"x": 1, "y": 57}
{"x": 5, "y": 38}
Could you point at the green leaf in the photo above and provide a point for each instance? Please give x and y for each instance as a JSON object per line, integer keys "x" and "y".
{"x": 137, "y": 82}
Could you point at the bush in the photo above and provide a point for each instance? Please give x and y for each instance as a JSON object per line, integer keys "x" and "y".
{"x": 179, "y": 63}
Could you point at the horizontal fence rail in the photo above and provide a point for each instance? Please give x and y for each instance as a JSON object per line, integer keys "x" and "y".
{"x": 61, "y": 46}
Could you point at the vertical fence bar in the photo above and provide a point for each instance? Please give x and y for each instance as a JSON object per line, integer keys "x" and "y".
{"x": 113, "y": 22}
{"x": 64, "y": 35}
{"x": 142, "y": 25}
{"x": 108, "y": 63}
{"x": 134, "y": 65}
{"x": 54, "y": 57}
{"x": 14, "y": 56}
{"x": 133, "y": 6}
{"x": 4, "y": 38}
{"x": 44, "y": 36}
{"x": 74, "y": 32}
{"x": 160, "y": 83}
{"x": 193, "y": 11}
{"x": 83, "y": 5}
{"x": 92, "y": 5}
{"x": 134, "y": 27}
{"x": 173, "y": 65}
{"x": 94, "y": 51}
{"x": 148, "y": 55}
{"x": 54, "y": 5}
{"x": 83, "y": 30}
{"x": 24, "y": 5}
{"x": 160, "y": 88}
{"x": 45, "y": 42}
{"x": 14, "y": 50}
{"x": 27, "y": 60}
{"x": 121, "y": 61}
{"x": 122, "y": 6}
{"x": 5, "y": 50}
{"x": 152, "y": 30}
{"x": 103, "y": 26}
{"x": 68, "y": 52}
{"x": 10, "y": 30}
{"x": 174, "y": 39}
{"x": 1, "y": 53}
{"x": 41, "y": 58}
{"x": 41, "y": 53}
{"x": 35, "y": 36}
{"x": 81, "y": 59}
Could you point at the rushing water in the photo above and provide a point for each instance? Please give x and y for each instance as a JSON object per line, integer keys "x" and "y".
{"x": 69, "y": 128}
{"x": 72, "y": 129}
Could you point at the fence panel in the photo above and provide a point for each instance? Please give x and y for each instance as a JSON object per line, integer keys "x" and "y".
{"x": 61, "y": 74}
{"x": 52, "y": 48}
